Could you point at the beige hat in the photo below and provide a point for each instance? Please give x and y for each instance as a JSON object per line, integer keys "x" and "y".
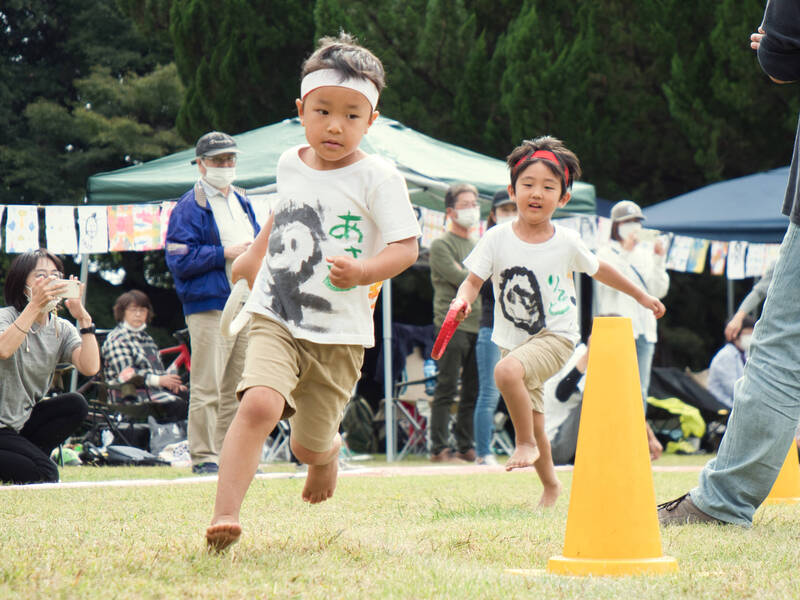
{"x": 626, "y": 210}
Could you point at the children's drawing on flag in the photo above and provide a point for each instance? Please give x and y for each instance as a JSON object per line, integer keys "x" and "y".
{"x": 603, "y": 230}
{"x": 166, "y": 210}
{"x": 120, "y": 228}
{"x": 432, "y": 225}
{"x": 588, "y": 230}
{"x": 736, "y": 255}
{"x": 22, "y": 229}
{"x": 60, "y": 229}
{"x": 679, "y": 251}
{"x": 754, "y": 261}
{"x": 697, "y": 256}
{"x": 92, "y": 229}
{"x": 719, "y": 251}
{"x": 770, "y": 255}
{"x": 146, "y": 227}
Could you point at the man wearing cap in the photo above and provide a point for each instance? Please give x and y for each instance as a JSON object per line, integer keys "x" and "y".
{"x": 211, "y": 225}
{"x": 644, "y": 264}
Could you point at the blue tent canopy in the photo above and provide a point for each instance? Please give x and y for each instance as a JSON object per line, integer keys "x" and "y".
{"x": 747, "y": 209}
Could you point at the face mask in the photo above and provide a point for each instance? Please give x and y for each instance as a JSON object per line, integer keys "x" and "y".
{"x": 49, "y": 307}
{"x": 468, "y": 217}
{"x": 627, "y": 229}
{"x": 220, "y": 177}
{"x": 130, "y": 327}
{"x": 505, "y": 219}
{"x": 744, "y": 341}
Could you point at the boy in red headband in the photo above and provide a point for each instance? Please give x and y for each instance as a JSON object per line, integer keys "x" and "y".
{"x": 530, "y": 261}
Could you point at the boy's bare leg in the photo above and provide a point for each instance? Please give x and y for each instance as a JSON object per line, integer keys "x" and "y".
{"x": 544, "y": 466}
{"x": 323, "y": 470}
{"x": 259, "y": 412}
{"x": 509, "y": 376}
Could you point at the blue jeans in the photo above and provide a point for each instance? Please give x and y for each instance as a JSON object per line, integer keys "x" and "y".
{"x": 766, "y": 403}
{"x": 487, "y": 354}
{"x": 644, "y": 358}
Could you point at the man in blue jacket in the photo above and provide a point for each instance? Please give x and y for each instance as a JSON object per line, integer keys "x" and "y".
{"x": 211, "y": 225}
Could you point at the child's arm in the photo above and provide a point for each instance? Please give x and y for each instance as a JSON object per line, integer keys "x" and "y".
{"x": 247, "y": 264}
{"x": 466, "y": 294}
{"x": 611, "y": 277}
{"x": 347, "y": 271}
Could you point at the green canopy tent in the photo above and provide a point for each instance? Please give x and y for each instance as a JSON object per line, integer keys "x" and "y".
{"x": 429, "y": 167}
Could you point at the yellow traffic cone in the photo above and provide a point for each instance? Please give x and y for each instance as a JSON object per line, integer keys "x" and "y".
{"x": 786, "y": 489}
{"x": 612, "y": 525}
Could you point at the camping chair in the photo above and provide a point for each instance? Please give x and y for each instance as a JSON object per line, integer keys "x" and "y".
{"x": 278, "y": 447}
{"x": 408, "y": 417}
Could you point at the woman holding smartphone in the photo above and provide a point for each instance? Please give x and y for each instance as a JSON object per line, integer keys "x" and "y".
{"x": 33, "y": 340}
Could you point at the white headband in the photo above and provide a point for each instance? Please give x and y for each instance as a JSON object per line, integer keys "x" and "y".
{"x": 332, "y": 77}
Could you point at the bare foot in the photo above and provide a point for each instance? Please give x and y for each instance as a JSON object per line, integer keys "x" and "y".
{"x": 221, "y": 535}
{"x": 524, "y": 456}
{"x": 321, "y": 479}
{"x": 550, "y": 495}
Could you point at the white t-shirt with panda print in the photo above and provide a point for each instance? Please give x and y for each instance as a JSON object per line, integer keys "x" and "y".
{"x": 533, "y": 287}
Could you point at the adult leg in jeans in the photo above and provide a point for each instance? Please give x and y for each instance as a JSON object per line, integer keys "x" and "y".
{"x": 644, "y": 358}
{"x": 446, "y": 389}
{"x": 487, "y": 354}
{"x": 766, "y": 403}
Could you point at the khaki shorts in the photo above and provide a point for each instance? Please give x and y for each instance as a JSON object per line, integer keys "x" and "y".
{"x": 315, "y": 380}
{"x": 542, "y": 356}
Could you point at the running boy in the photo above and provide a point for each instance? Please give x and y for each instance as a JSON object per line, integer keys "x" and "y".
{"x": 530, "y": 261}
{"x": 343, "y": 224}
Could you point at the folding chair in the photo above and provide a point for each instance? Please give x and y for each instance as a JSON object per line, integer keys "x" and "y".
{"x": 278, "y": 448}
{"x": 409, "y": 417}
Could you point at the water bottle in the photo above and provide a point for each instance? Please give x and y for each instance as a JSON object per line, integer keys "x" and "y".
{"x": 429, "y": 369}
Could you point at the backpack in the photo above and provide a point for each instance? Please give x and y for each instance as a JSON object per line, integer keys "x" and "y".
{"x": 358, "y": 428}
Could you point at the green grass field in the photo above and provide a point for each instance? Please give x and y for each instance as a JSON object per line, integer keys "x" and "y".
{"x": 440, "y": 536}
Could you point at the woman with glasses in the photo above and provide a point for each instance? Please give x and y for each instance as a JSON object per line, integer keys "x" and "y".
{"x": 131, "y": 355}
{"x": 33, "y": 340}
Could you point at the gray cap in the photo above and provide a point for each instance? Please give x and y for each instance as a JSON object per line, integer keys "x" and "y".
{"x": 501, "y": 198}
{"x": 214, "y": 143}
{"x": 626, "y": 210}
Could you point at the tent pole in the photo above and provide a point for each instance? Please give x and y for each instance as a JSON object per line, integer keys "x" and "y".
{"x": 73, "y": 384}
{"x": 388, "y": 404}
{"x": 729, "y": 294}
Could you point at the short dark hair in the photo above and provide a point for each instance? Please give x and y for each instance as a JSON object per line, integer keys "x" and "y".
{"x": 136, "y": 298}
{"x": 18, "y": 273}
{"x": 344, "y": 54}
{"x": 453, "y": 192}
{"x": 521, "y": 157}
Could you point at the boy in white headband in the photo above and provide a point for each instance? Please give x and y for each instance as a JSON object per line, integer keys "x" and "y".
{"x": 343, "y": 224}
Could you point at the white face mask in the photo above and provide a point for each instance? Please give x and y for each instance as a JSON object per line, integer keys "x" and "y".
{"x": 627, "y": 229}
{"x": 220, "y": 177}
{"x": 468, "y": 217}
{"x": 505, "y": 218}
{"x": 745, "y": 340}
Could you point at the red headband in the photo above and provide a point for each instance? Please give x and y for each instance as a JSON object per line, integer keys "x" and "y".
{"x": 547, "y": 155}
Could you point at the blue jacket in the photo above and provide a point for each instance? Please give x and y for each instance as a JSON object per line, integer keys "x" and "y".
{"x": 195, "y": 255}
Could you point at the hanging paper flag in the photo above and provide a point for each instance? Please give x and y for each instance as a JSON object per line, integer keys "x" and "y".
{"x": 22, "y": 229}
{"x": 166, "y": 210}
{"x": 697, "y": 256}
{"x": 679, "y": 253}
{"x": 603, "y": 230}
{"x": 754, "y": 262}
{"x": 120, "y": 228}
{"x": 93, "y": 229}
{"x": 432, "y": 225}
{"x": 719, "y": 250}
{"x": 60, "y": 229}
{"x": 770, "y": 255}
{"x": 736, "y": 254}
{"x": 146, "y": 227}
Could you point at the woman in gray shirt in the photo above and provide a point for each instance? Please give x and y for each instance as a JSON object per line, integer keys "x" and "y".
{"x": 33, "y": 339}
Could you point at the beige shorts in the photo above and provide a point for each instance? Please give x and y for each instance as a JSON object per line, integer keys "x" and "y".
{"x": 315, "y": 380}
{"x": 542, "y": 356}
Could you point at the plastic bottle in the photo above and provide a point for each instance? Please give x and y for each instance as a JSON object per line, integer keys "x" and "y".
{"x": 429, "y": 368}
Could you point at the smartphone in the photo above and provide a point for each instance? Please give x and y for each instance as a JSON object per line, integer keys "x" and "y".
{"x": 72, "y": 289}
{"x": 647, "y": 235}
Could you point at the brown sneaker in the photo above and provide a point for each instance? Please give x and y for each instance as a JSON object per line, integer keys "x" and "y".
{"x": 682, "y": 511}
{"x": 468, "y": 456}
{"x": 445, "y": 456}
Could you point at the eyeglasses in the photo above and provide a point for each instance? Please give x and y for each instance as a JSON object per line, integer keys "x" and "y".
{"x": 136, "y": 309}
{"x": 42, "y": 274}
{"x": 221, "y": 159}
